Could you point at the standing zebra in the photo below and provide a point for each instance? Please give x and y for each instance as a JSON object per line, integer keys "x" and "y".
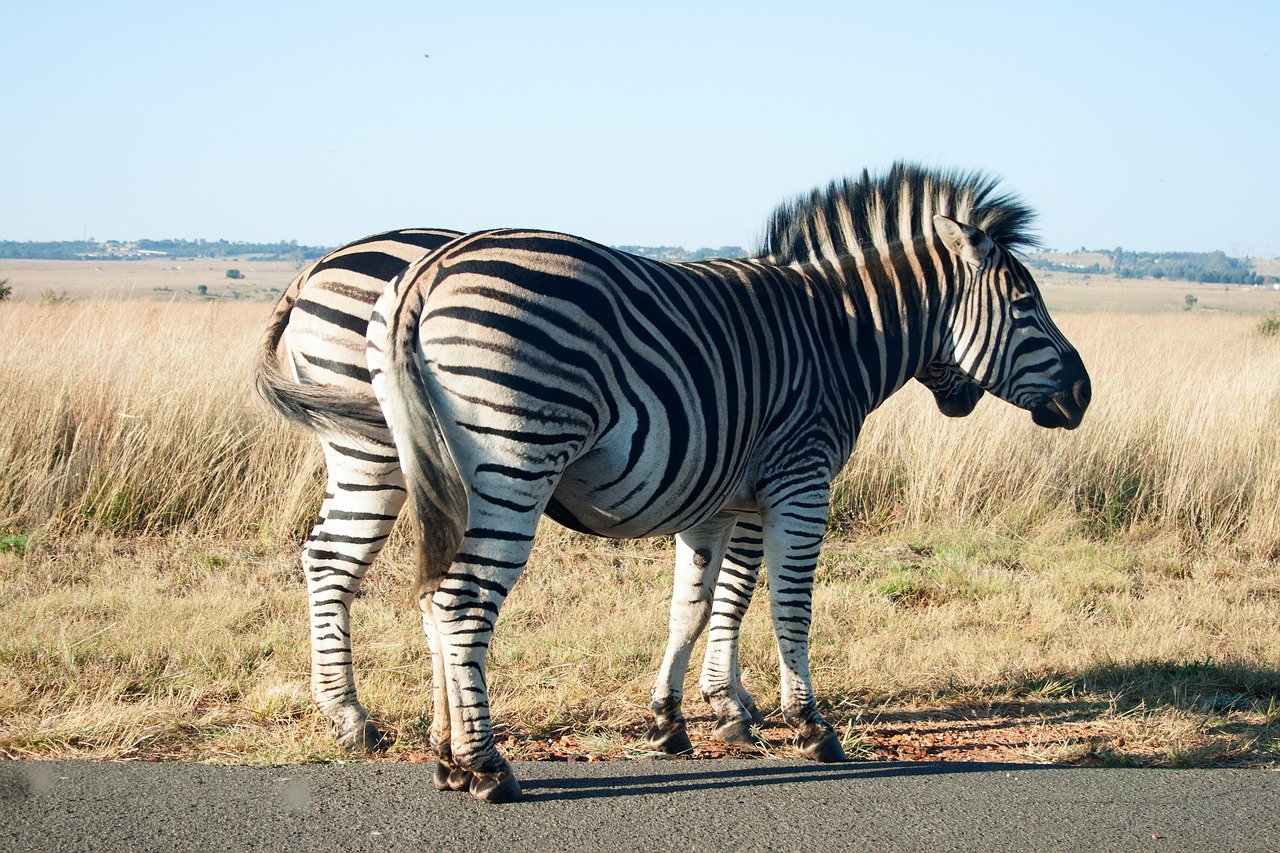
{"x": 321, "y": 318}
{"x": 524, "y": 372}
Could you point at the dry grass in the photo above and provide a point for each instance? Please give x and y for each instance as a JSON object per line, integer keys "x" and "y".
{"x": 138, "y": 418}
{"x": 1129, "y": 653}
{"x": 1112, "y": 591}
{"x": 1179, "y": 440}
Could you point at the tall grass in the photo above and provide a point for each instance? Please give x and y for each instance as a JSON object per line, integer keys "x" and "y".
{"x": 150, "y": 508}
{"x": 1180, "y": 439}
{"x": 136, "y": 418}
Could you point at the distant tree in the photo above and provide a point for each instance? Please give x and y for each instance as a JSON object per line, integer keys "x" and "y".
{"x": 233, "y": 273}
{"x": 1191, "y": 302}
{"x": 202, "y": 289}
{"x": 6, "y": 290}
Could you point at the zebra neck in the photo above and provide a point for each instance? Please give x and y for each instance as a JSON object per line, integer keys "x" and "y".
{"x": 896, "y": 314}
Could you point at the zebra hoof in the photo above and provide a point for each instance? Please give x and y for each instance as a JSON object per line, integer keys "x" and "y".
{"x": 822, "y": 746}
{"x": 497, "y": 788}
{"x": 753, "y": 712}
{"x": 451, "y": 778}
{"x": 673, "y": 739}
{"x": 363, "y": 736}
{"x": 736, "y": 731}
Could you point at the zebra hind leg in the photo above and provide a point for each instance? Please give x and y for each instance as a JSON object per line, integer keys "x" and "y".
{"x": 365, "y": 493}
{"x": 464, "y": 601}
{"x": 449, "y": 775}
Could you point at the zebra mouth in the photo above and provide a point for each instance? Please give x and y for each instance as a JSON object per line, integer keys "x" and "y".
{"x": 1064, "y": 410}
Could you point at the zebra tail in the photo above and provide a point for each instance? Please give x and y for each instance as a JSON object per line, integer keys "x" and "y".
{"x": 437, "y": 493}
{"x": 311, "y": 406}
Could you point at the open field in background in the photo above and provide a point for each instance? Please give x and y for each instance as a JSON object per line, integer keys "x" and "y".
{"x": 1073, "y": 292}
{"x": 177, "y": 281}
{"x": 167, "y": 280}
{"x": 990, "y": 590}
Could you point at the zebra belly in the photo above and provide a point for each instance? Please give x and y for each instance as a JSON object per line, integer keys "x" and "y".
{"x": 590, "y": 499}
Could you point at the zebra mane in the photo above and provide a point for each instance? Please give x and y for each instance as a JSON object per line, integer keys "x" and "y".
{"x": 878, "y": 211}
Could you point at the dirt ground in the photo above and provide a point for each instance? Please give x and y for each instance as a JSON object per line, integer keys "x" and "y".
{"x": 954, "y": 735}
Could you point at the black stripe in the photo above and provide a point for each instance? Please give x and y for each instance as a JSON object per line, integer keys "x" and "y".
{"x": 355, "y": 324}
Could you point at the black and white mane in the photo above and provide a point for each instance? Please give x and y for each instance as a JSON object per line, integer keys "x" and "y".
{"x": 852, "y": 215}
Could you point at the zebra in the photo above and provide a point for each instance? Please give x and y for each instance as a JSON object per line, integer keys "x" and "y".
{"x": 525, "y": 372}
{"x": 321, "y": 318}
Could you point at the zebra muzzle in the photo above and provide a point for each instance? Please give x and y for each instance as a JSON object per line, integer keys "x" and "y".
{"x": 1065, "y": 409}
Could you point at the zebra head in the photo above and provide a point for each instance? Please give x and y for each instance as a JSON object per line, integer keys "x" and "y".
{"x": 1001, "y": 335}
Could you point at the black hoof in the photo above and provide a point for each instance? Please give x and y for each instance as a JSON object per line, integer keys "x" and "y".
{"x": 824, "y": 747}
{"x": 753, "y": 712}
{"x": 737, "y": 731}
{"x": 450, "y": 778}
{"x": 672, "y": 739}
{"x": 498, "y": 788}
{"x": 364, "y": 738}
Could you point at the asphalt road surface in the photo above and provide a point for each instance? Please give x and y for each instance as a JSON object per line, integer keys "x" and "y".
{"x": 638, "y": 805}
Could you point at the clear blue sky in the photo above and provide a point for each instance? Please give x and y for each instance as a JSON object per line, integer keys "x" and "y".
{"x": 1148, "y": 125}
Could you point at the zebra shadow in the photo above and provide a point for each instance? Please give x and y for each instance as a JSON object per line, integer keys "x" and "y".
{"x": 768, "y": 773}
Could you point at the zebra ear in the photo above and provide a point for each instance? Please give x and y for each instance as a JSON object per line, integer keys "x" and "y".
{"x": 971, "y": 244}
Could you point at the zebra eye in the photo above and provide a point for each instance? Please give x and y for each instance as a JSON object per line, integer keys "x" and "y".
{"x": 1024, "y": 303}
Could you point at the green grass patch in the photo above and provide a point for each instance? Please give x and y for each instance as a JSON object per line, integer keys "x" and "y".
{"x": 14, "y": 543}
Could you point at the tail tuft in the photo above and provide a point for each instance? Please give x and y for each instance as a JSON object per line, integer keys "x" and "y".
{"x": 312, "y": 406}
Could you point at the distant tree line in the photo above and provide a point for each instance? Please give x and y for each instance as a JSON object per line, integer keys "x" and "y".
{"x": 71, "y": 250}
{"x": 679, "y": 254}
{"x": 281, "y": 251}
{"x": 1180, "y": 266}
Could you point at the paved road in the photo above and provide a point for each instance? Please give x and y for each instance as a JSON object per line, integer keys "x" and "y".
{"x": 642, "y": 805}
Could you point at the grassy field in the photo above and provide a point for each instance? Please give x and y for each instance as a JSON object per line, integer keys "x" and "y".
{"x": 158, "y": 280}
{"x": 990, "y": 590}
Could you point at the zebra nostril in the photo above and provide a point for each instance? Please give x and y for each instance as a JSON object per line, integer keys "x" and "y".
{"x": 1082, "y": 392}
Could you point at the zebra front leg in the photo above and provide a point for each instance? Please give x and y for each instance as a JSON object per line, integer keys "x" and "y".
{"x": 360, "y": 507}
{"x": 699, "y": 553}
{"x": 793, "y": 538}
{"x": 721, "y": 682}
